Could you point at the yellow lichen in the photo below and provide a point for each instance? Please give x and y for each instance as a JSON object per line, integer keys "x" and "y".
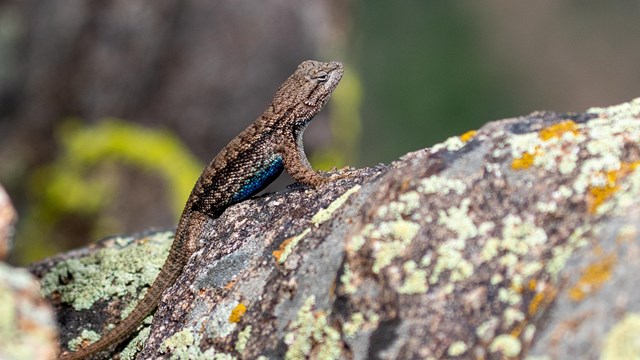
{"x": 599, "y": 194}
{"x": 556, "y": 130}
{"x": 237, "y": 313}
{"x": 468, "y": 135}
{"x": 593, "y": 278}
{"x": 541, "y": 299}
{"x": 525, "y": 161}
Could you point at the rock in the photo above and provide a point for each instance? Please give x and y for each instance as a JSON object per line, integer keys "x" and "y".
{"x": 519, "y": 239}
{"x": 27, "y": 324}
{"x": 7, "y": 221}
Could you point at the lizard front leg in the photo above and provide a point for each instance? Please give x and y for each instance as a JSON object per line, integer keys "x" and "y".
{"x": 296, "y": 163}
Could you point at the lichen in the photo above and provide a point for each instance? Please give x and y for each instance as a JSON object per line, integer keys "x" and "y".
{"x": 243, "y": 339}
{"x": 346, "y": 279}
{"x": 237, "y": 313}
{"x": 441, "y": 185}
{"x": 593, "y": 277}
{"x": 415, "y": 281}
{"x": 453, "y": 143}
{"x": 325, "y": 214}
{"x": 351, "y": 327}
{"x": 468, "y": 136}
{"x": 311, "y": 332}
{"x": 287, "y": 246}
{"x": 622, "y": 340}
{"x": 457, "y": 348}
{"x": 108, "y": 272}
{"x": 393, "y": 238}
{"x": 85, "y": 338}
{"x": 506, "y": 344}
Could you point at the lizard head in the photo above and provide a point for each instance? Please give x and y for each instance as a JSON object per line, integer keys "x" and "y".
{"x": 306, "y": 91}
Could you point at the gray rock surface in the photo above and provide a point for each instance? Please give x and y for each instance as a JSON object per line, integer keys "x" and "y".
{"x": 517, "y": 240}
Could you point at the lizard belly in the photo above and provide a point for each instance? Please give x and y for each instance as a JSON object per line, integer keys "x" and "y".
{"x": 263, "y": 176}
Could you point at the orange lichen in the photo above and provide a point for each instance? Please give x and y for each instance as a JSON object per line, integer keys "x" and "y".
{"x": 593, "y": 278}
{"x": 518, "y": 329}
{"x": 468, "y": 135}
{"x": 524, "y": 162}
{"x": 535, "y": 303}
{"x": 599, "y": 194}
{"x": 556, "y": 130}
{"x": 278, "y": 253}
{"x": 541, "y": 299}
{"x": 237, "y": 313}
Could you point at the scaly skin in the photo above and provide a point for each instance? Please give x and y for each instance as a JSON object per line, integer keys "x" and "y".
{"x": 251, "y": 161}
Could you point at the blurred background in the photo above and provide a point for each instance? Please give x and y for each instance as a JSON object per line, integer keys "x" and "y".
{"x": 110, "y": 109}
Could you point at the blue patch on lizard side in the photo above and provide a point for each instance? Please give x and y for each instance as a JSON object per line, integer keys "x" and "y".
{"x": 260, "y": 179}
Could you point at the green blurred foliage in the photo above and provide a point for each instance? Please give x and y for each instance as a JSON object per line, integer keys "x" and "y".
{"x": 425, "y": 77}
{"x": 78, "y": 186}
{"x": 345, "y": 124}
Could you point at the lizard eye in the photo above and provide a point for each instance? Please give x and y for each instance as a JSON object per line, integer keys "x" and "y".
{"x": 322, "y": 76}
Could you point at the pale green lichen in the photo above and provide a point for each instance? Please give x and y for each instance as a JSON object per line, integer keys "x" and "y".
{"x": 183, "y": 345}
{"x": 528, "y": 333}
{"x": 404, "y": 206}
{"x": 243, "y": 339}
{"x": 519, "y": 236}
{"x": 512, "y": 316}
{"x": 451, "y": 258}
{"x": 134, "y": 345}
{"x": 325, "y": 214}
{"x": 346, "y": 279}
{"x": 394, "y": 236}
{"x": 355, "y": 242}
{"x": 622, "y": 340}
{"x": 86, "y": 335}
{"x": 288, "y": 245}
{"x": 182, "y": 338}
{"x": 453, "y": 143}
{"x": 560, "y": 254}
{"x": 496, "y": 279}
{"x": 351, "y": 327}
{"x": 509, "y": 296}
{"x": 415, "y": 279}
{"x": 486, "y": 330}
{"x": 458, "y": 221}
{"x": 507, "y": 345}
{"x": 441, "y": 185}
{"x": 311, "y": 331}
{"x": 108, "y": 272}
{"x": 457, "y": 348}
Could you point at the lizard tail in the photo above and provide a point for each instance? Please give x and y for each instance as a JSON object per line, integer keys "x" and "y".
{"x": 168, "y": 275}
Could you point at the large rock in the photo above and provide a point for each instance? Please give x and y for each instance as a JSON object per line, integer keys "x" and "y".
{"x": 518, "y": 239}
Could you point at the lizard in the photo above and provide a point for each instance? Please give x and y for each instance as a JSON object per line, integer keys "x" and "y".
{"x": 251, "y": 161}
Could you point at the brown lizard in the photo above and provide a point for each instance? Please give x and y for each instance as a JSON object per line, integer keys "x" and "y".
{"x": 251, "y": 161}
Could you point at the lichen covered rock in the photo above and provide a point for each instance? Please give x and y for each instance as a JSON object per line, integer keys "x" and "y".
{"x": 518, "y": 239}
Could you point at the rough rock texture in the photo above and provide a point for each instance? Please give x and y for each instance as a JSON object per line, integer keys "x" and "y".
{"x": 7, "y": 222}
{"x": 27, "y": 325}
{"x": 518, "y": 239}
